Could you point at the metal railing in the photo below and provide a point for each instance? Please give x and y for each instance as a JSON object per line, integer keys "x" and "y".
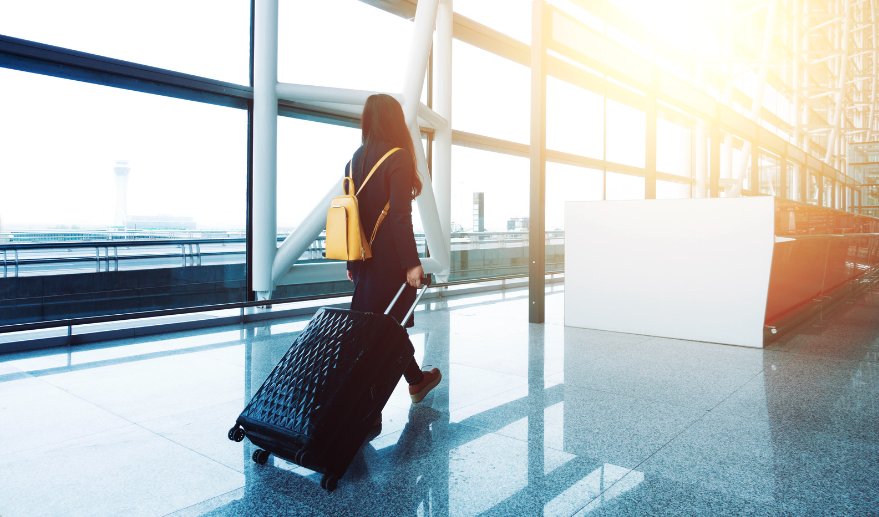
{"x": 70, "y": 256}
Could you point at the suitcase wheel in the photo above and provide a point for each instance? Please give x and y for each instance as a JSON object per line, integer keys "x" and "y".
{"x": 329, "y": 482}
{"x": 303, "y": 458}
{"x": 236, "y": 434}
{"x": 260, "y": 456}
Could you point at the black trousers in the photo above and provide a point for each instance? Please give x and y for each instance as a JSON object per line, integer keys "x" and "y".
{"x": 413, "y": 374}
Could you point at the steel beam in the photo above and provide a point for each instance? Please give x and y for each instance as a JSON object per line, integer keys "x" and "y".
{"x": 541, "y": 27}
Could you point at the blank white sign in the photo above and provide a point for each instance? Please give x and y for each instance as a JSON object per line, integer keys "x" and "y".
{"x": 695, "y": 269}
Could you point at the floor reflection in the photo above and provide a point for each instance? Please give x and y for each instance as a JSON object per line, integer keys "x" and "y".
{"x": 440, "y": 465}
{"x": 534, "y": 420}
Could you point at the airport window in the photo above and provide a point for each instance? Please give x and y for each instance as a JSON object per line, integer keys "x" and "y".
{"x": 770, "y": 174}
{"x": 673, "y": 142}
{"x": 827, "y": 198}
{"x": 624, "y": 186}
{"x": 672, "y": 190}
{"x": 626, "y": 130}
{"x": 142, "y": 187}
{"x": 502, "y": 178}
{"x": 574, "y": 119}
{"x": 197, "y": 37}
{"x": 569, "y": 183}
{"x": 814, "y": 188}
{"x": 367, "y": 47}
{"x": 515, "y": 23}
{"x": 491, "y": 96}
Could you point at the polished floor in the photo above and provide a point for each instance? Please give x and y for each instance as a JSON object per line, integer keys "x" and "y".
{"x": 534, "y": 420}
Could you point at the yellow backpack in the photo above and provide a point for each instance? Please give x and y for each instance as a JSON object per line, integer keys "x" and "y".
{"x": 345, "y": 237}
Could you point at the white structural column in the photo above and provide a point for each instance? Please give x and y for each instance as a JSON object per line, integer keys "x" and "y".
{"x": 416, "y": 68}
{"x": 265, "y": 145}
{"x": 273, "y": 264}
{"x": 874, "y": 98}
{"x": 757, "y": 103}
{"x": 701, "y": 189}
{"x": 834, "y": 145}
{"x": 442, "y": 103}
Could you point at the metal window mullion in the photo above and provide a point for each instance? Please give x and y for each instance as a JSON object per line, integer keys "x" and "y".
{"x": 540, "y": 28}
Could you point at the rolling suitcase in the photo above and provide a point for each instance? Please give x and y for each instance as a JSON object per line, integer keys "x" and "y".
{"x": 321, "y": 400}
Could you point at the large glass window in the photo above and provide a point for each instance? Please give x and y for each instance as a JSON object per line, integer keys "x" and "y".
{"x": 574, "y": 119}
{"x": 515, "y": 22}
{"x": 198, "y": 37}
{"x": 491, "y": 95}
{"x": 502, "y": 181}
{"x": 626, "y": 130}
{"x": 793, "y": 181}
{"x": 502, "y": 178}
{"x": 624, "y": 186}
{"x": 569, "y": 183}
{"x": 814, "y": 188}
{"x": 137, "y": 189}
{"x": 311, "y": 158}
{"x": 770, "y": 174}
{"x": 516, "y": 19}
{"x": 673, "y": 143}
{"x": 672, "y": 190}
{"x": 342, "y": 43}
{"x": 827, "y": 194}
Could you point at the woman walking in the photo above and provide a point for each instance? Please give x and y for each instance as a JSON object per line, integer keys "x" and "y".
{"x": 394, "y": 253}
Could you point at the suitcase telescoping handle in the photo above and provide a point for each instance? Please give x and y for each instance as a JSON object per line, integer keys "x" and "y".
{"x": 424, "y": 285}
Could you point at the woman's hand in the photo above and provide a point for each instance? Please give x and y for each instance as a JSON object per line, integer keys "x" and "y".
{"x": 350, "y": 276}
{"x": 413, "y": 276}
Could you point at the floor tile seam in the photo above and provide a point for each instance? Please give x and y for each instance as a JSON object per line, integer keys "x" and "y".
{"x": 212, "y": 460}
{"x": 189, "y": 411}
{"x": 648, "y": 401}
{"x": 58, "y": 442}
{"x": 758, "y": 374}
{"x": 483, "y": 400}
{"x": 645, "y": 401}
{"x": 148, "y": 430}
{"x": 21, "y": 392}
{"x": 204, "y": 501}
{"x": 645, "y": 460}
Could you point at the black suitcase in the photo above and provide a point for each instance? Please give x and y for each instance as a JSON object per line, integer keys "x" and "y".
{"x": 321, "y": 400}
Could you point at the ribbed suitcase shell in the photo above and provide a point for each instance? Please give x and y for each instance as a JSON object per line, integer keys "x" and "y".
{"x": 327, "y": 391}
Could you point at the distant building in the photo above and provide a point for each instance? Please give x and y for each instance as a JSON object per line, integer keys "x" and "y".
{"x": 160, "y": 222}
{"x": 121, "y": 170}
{"x": 478, "y": 211}
{"x": 517, "y": 223}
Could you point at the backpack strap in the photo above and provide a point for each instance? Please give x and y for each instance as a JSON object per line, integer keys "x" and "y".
{"x": 387, "y": 207}
{"x": 348, "y": 186}
{"x": 381, "y": 217}
{"x": 376, "y": 167}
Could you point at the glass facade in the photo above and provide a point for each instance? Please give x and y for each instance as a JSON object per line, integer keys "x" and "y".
{"x": 117, "y": 201}
{"x": 150, "y": 172}
{"x": 490, "y": 95}
{"x": 197, "y": 37}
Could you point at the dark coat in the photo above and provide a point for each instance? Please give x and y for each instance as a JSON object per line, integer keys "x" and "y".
{"x": 377, "y": 280}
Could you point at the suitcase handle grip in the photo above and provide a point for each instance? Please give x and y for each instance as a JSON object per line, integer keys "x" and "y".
{"x": 425, "y": 283}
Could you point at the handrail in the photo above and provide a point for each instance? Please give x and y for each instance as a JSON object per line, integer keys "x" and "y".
{"x": 178, "y": 242}
{"x": 116, "y": 243}
{"x": 89, "y": 320}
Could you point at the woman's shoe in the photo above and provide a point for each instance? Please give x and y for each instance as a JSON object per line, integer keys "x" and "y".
{"x": 418, "y": 391}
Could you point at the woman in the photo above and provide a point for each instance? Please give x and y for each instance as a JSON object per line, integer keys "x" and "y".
{"x": 394, "y": 254}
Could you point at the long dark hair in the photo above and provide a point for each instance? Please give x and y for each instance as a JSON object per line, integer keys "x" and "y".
{"x": 383, "y": 120}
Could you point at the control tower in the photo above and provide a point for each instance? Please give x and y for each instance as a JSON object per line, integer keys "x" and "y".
{"x": 121, "y": 170}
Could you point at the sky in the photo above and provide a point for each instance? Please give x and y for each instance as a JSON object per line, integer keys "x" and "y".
{"x": 59, "y": 138}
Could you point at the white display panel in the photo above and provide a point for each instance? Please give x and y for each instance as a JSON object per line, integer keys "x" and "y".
{"x": 695, "y": 269}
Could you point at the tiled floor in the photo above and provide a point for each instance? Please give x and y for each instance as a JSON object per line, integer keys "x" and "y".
{"x": 530, "y": 420}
